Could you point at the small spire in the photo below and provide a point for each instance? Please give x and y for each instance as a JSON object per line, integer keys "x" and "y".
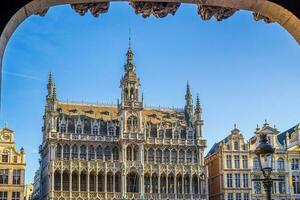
{"x": 129, "y": 39}
{"x": 188, "y": 90}
{"x": 234, "y": 125}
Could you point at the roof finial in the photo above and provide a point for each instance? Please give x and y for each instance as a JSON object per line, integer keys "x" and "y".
{"x": 234, "y": 125}
{"x": 129, "y": 42}
{"x": 5, "y": 124}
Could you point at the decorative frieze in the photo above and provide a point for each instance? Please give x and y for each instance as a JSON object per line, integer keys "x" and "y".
{"x": 158, "y": 9}
{"x": 95, "y": 8}
{"x": 258, "y": 17}
{"x": 220, "y": 13}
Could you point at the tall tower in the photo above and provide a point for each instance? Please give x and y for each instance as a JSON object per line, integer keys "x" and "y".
{"x": 50, "y": 108}
{"x": 188, "y": 108}
{"x": 130, "y": 84}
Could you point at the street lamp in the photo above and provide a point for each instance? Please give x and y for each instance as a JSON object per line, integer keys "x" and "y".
{"x": 264, "y": 151}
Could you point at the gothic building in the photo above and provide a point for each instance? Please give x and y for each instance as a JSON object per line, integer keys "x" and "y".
{"x": 123, "y": 151}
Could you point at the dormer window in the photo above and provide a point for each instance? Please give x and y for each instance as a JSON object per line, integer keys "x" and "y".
{"x": 79, "y": 129}
{"x": 111, "y": 131}
{"x": 228, "y": 147}
{"x": 236, "y": 146}
{"x": 95, "y": 130}
{"x": 63, "y": 128}
{"x": 5, "y": 157}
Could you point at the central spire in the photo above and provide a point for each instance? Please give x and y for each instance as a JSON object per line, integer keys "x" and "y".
{"x": 130, "y": 83}
{"x": 129, "y": 66}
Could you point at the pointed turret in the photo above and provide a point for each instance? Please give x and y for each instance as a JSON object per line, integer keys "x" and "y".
{"x": 198, "y": 110}
{"x": 51, "y": 88}
{"x": 130, "y": 83}
{"x": 198, "y": 122}
{"x": 188, "y": 108}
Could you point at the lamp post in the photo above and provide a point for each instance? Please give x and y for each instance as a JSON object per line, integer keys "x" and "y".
{"x": 264, "y": 151}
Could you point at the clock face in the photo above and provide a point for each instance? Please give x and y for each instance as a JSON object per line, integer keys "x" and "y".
{"x": 5, "y": 136}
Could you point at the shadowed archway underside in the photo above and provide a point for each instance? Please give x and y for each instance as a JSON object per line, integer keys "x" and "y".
{"x": 284, "y": 12}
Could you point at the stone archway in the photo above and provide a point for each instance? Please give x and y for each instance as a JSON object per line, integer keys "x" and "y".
{"x": 220, "y": 9}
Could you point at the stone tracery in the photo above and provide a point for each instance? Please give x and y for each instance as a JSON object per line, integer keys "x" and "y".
{"x": 220, "y": 13}
{"x": 95, "y": 8}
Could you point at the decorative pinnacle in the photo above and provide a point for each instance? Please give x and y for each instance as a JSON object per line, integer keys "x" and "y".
{"x": 51, "y": 87}
{"x": 198, "y": 107}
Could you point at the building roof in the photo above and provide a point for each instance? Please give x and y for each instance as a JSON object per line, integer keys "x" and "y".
{"x": 282, "y": 136}
{"x": 216, "y": 147}
{"x": 107, "y": 112}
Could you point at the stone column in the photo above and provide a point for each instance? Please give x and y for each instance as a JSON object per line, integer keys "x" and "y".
{"x": 182, "y": 184}
{"x": 114, "y": 183}
{"x": 70, "y": 180}
{"x": 79, "y": 182}
{"x": 61, "y": 181}
{"x": 191, "y": 183}
{"x": 158, "y": 184}
{"x": 142, "y": 185}
{"x": 105, "y": 181}
{"x": 167, "y": 184}
{"x": 151, "y": 183}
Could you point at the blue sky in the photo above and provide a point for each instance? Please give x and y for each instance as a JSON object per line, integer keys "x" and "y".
{"x": 244, "y": 71}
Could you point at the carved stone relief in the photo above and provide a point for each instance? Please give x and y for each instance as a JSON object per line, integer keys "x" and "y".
{"x": 220, "y": 13}
{"x": 258, "y": 17}
{"x": 158, "y": 9}
{"x": 95, "y": 8}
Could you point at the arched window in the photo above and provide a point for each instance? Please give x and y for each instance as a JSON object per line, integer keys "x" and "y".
{"x": 236, "y": 145}
{"x": 132, "y": 123}
{"x": 158, "y": 156}
{"x": 92, "y": 182}
{"x": 99, "y": 152}
{"x": 101, "y": 182}
{"x": 115, "y": 153}
{"x": 110, "y": 184}
{"x": 166, "y": 156}
{"x": 186, "y": 184}
{"x": 74, "y": 152}
{"x": 71, "y": 125}
{"x": 129, "y": 153}
{"x": 147, "y": 183}
{"x": 181, "y": 156}
{"x": 171, "y": 183}
{"x": 177, "y": 134}
{"x": 83, "y": 181}
{"x": 150, "y": 155}
{"x": 195, "y": 156}
{"x": 91, "y": 153}
{"x": 189, "y": 156}
{"x": 163, "y": 184}
{"x": 83, "y": 152}
{"x": 179, "y": 184}
{"x": 118, "y": 182}
{"x": 195, "y": 185}
{"x": 66, "y": 181}
{"x": 154, "y": 183}
{"x": 133, "y": 182}
{"x": 107, "y": 153}
{"x": 57, "y": 182}
{"x": 95, "y": 130}
{"x": 66, "y": 152}
{"x": 58, "y": 151}
{"x": 79, "y": 129}
{"x": 174, "y": 156}
{"x": 255, "y": 164}
{"x": 74, "y": 181}
{"x": 63, "y": 128}
{"x": 135, "y": 153}
{"x": 280, "y": 163}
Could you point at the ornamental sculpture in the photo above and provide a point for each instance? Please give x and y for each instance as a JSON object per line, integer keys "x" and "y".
{"x": 220, "y": 13}
{"x": 95, "y": 8}
{"x": 258, "y": 17}
{"x": 158, "y": 9}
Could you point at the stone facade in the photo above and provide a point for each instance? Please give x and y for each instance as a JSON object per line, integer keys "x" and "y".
{"x": 229, "y": 169}
{"x": 222, "y": 180}
{"x": 123, "y": 151}
{"x": 12, "y": 167}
